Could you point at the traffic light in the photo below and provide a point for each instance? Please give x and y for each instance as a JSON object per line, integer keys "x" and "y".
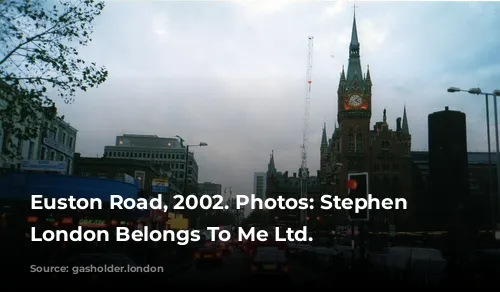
{"x": 357, "y": 185}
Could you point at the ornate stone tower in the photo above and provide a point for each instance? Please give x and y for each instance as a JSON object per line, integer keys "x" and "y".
{"x": 354, "y": 110}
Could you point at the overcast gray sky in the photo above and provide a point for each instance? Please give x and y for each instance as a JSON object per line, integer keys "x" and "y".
{"x": 232, "y": 74}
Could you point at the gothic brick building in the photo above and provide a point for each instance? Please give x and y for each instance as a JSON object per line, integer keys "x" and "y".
{"x": 288, "y": 186}
{"x": 355, "y": 146}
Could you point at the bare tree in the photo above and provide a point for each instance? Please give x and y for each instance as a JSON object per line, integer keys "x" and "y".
{"x": 39, "y": 45}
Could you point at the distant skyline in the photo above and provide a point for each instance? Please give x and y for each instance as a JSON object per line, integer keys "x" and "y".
{"x": 232, "y": 74}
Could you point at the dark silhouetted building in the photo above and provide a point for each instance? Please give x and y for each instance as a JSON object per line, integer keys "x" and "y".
{"x": 118, "y": 169}
{"x": 480, "y": 199}
{"x": 288, "y": 186}
{"x": 209, "y": 188}
{"x": 448, "y": 191}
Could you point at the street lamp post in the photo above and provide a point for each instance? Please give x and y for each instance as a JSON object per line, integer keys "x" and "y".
{"x": 495, "y": 93}
{"x": 186, "y": 161}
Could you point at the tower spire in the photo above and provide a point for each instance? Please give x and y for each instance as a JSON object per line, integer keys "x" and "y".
{"x": 354, "y": 73}
{"x": 354, "y": 33}
{"x": 324, "y": 139}
{"x": 404, "y": 127}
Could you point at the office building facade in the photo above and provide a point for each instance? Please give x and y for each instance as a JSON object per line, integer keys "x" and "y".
{"x": 259, "y": 184}
{"x": 52, "y": 150}
{"x": 166, "y": 152}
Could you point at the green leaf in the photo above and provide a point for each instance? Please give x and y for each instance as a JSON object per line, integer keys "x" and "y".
{"x": 47, "y": 40}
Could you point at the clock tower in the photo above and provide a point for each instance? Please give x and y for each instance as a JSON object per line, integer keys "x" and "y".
{"x": 354, "y": 105}
{"x": 355, "y": 147}
{"x": 354, "y": 102}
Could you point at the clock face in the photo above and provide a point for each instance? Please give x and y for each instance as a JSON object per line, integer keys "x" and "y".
{"x": 355, "y": 100}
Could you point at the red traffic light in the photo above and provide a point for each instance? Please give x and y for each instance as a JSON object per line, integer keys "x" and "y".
{"x": 352, "y": 184}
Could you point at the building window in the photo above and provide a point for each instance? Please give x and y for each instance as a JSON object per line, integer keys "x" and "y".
{"x": 359, "y": 142}
{"x": 181, "y": 175}
{"x": 190, "y": 171}
{"x": 70, "y": 166}
{"x": 70, "y": 143}
{"x": 31, "y": 149}
{"x": 63, "y": 139}
{"x": 43, "y": 153}
{"x": 55, "y": 132}
{"x": 182, "y": 166}
{"x": 141, "y": 176}
{"x": 52, "y": 155}
{"x": 183, "y": 156}
{"x": 351, "y": 145}
{"x": 20, "y": 145}
{"x": 61, "y": 158}
{"x": 385, "y": 145}
{"x": 190, "y": 162}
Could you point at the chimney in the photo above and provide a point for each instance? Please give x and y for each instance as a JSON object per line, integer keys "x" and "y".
{"x": 446, "y": 108}
{"x": 398, "y": 124}
{"x": 286, "y": 174}
{"x": 295, "y": 174}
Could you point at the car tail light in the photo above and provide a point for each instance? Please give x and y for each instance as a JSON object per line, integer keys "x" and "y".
{"x": 196, "y": 255}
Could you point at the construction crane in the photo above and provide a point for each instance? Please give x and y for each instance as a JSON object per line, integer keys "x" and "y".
{"x": 304, "y": 171}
